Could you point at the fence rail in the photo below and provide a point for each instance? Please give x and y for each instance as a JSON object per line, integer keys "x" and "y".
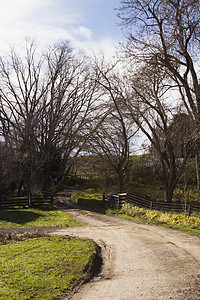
{"x": 186, "y": 207}
{"x": 36, "y": 200}
{"x": 114, "y": 201}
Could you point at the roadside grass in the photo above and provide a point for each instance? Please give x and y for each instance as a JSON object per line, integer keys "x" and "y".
{"x": 90, "y": 200}
{"x": 44, "y": 268}
{"x": 41, "y": 217}
{"x": 88, "y": 194}
{"x": 190, "y": 224}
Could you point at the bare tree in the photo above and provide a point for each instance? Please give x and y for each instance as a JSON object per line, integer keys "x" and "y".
{"x": 153, "y": 112}
{"x": 111, "y": 143}
{"x": 168, "y": 32}
{"x": 114, "y": 131}
{"x": 46, "y": 102}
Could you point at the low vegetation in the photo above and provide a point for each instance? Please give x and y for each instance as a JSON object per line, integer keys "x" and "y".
{"x": 177, "y": 221}
{"x": 45, "y": 267}
{"x": 93, "y": 200}
{"x": 87, "y": 194}
{"x": 190, "y": 224}
{"x": 43, "y": 217}
{"x": 90, "y": 199}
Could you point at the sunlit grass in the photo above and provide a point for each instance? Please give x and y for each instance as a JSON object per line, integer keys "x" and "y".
{"x": 43, "y": 268}
{"x": 190, "y": 224}
{"x": 88, "y": 194}
{"x": 44, "y": 217}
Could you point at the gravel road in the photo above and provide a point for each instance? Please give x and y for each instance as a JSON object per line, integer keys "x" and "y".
{"x": 140, "y": 261}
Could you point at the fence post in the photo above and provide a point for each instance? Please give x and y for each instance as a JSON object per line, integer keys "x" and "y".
{"x": 118, "y": 199}
{"x": 189, "y": 210}
{"x": 104, "y": 198}
{"x": 151, "y": 205}
{"x": 29, "y": 199}
{"x": 52, "y": 200}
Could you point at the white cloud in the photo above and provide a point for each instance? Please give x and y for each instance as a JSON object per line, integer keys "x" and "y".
{"x": 12, "y": 11}
{"x": 104, "y": 46}
{"x": 15, "y": 21}
{"x": 83, "y": 32}
{"x": 47, "y": 21}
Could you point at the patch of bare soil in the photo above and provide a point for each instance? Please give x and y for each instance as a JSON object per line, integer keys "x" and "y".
{"x": 140, "y": 261}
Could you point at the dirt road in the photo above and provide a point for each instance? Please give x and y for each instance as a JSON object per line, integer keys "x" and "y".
{"x": 140, "y": 261}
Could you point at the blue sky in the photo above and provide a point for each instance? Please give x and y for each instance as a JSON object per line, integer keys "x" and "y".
{"x": 100, "y": 15}
{"x": 88, "y": 24}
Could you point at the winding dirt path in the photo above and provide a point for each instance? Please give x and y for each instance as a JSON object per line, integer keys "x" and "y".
{"x": 140, "y": 261}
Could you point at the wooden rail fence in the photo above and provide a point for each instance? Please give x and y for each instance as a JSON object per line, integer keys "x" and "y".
{"x": 115, "y": 201}
{"x": 36, "y": 200}
{"x": 185, "y": 207}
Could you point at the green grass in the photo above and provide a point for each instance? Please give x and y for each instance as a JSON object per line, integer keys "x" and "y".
{"x": 44, "y": 217}
{"x": 90, "y": 200}
{"x": 171, "y": 220}
{"x": 88, "y": 194}
{"x": 43, "y": 268}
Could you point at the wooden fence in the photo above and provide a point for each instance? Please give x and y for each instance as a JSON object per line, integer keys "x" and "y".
{"x": 36, "y": 200}
{"x": 185, "y": 207}
{"x": 115, "y": 201}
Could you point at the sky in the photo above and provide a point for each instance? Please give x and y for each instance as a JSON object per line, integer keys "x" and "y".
{"x": 90, "y": 25}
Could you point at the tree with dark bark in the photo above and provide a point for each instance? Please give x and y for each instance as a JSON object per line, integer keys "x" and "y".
{"x": 168, "y": 33}
{"x": 111, "y": 143}
{"x": 114, "y": 132}
{"x": 149, "y": 106}
{"x": 45, "y": 107}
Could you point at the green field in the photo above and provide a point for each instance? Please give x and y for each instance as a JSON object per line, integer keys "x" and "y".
{"x": 43, "y": 268}
{"x": 44, "y": 217}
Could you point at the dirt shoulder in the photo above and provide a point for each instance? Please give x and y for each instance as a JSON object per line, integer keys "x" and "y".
{"x": 140, "y": 261}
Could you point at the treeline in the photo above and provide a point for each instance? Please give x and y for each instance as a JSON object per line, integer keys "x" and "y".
{"x": 56, "y": 104}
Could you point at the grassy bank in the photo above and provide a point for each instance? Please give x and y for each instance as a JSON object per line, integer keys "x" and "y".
{"x": 171, "y": 220}
{"x": 90, "y": 199}
{"x": 44, "y": 217}
{"x": 88, "y": 194}
{"x": 44, "y": 268}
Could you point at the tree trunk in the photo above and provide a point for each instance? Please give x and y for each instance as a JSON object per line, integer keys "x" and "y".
{"x": 169, "y": 177}
{"x": 121, "y": 181}
{"x": 169, "y": 194}
{"x": 29, "y": 193}
{"x": 197, "y": 159}
{"x": 20, "y": 188}
{"x": 29, "y": 188}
